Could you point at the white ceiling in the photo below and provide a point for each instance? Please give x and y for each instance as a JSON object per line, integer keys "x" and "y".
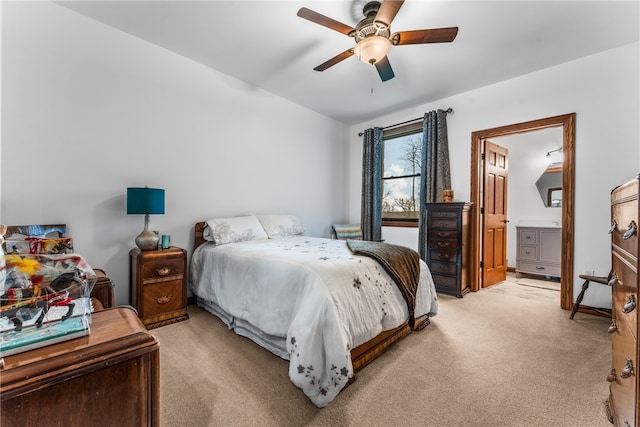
{"x": 266, "y": 45}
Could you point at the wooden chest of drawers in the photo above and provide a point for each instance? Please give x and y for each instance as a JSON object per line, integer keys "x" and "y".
{"x": 623, "y": 378}
{"x": 447, "y": 251}
{"x": 539, "y": 250}
{"x": 107, "y": 378}
{"x": 159, "y": 285}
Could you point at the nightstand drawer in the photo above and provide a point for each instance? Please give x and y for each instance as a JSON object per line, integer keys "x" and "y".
{"x": 162, "y": 269}
{"x": 162, "y": 297}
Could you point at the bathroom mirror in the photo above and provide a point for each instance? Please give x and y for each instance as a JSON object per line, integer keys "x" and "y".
{"x": 550, "y": 186}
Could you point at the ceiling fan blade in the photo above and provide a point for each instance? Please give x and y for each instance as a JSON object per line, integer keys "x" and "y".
{"x": 333, "y": 61}
{"x": 388, "y": 11}
{"x": 325, "y": 21}
{"x": 384, "y": 69}
{"x": 435, "y": 35}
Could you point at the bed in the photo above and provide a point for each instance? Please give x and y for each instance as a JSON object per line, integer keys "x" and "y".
{"x": 309, "y": 300}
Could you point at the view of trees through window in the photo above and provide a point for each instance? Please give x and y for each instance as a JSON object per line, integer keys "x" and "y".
{"x": 401, "y": 177}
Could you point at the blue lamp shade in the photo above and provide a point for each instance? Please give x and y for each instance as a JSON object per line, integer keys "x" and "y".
{"x": 143, "y": 201}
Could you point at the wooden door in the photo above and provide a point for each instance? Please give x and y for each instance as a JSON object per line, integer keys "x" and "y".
{"x": 494, "y": 217}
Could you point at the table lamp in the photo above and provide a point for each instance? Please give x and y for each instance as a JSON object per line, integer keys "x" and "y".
{"x": 145, "y": 201}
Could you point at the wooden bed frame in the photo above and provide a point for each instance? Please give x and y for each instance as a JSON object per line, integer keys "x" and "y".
{"x": 364, "y": 353}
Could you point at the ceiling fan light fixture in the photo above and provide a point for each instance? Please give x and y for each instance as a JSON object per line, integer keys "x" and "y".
{"x": 372, "y": 49}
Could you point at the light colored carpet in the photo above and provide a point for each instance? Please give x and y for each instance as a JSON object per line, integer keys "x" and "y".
{"x": 504, "y": 356}
{"x": 536, "y": 283}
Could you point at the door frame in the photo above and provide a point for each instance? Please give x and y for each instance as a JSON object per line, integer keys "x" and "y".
{"x": 567, "y": 122}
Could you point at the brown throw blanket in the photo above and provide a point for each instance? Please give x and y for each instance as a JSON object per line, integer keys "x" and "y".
{"x": 402, "y": 264}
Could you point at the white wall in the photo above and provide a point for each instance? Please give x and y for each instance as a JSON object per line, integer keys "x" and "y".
{"x": 603, "y": 91}
{"x": 88, "y": 111}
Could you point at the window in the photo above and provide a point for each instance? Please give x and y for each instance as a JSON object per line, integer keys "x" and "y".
{"x": 402, "y": 159}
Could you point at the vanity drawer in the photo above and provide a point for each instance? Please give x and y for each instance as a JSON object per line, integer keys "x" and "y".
{"x": 537, "y": 268}
{"x": 528, "y": 253}
{"x": 529, "y": 237}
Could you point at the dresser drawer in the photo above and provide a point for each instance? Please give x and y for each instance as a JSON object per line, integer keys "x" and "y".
{"x": 162, "y": 297}
{"x": 443, "y": 234}
{"x": 623, "y": 217}
{"x": 443, "y": 267}
{"x": 444, "y": 214}
{"x": 624, "y": 211}
{"x": 446, "y": 284}
{"x": 624, "y": 288}
{"x": 444, "y": 223}
{"x": 162, "y": 269}
{"x": 624, "y": 389}
{"x": 444, "y": 244}
{"x": 444, "y": 255}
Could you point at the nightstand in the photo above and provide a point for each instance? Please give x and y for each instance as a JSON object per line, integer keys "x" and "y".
{"x": 159, "y": 285}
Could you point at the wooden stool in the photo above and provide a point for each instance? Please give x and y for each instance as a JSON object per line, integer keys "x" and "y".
{"x": 598, "y": 279}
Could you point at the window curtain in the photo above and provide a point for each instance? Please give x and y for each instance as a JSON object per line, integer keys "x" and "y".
{"x": 371, "y": 221}
{"x": 435, "y": 174}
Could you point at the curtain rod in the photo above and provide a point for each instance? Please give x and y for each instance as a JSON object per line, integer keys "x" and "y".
{"x": 448, "y": 110}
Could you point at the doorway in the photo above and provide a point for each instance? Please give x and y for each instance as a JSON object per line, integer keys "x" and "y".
{"x": 567, "y": 122}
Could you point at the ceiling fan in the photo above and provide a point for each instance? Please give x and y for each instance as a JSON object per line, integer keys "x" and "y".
{"x": 373, "y": 35}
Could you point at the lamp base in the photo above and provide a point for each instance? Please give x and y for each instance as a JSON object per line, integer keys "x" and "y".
{"x": 147, "y": 240}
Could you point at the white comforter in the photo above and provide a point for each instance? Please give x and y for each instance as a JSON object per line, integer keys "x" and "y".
{"x": 315, "y": 293}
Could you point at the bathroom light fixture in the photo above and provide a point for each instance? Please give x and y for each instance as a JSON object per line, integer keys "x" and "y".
{"x": 549, "y": 154}
{"x": 146, "y": 201}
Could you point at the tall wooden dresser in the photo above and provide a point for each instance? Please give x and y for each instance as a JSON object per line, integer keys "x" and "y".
{"x": 447, "y": 251}
{"x": 624, "y": 390}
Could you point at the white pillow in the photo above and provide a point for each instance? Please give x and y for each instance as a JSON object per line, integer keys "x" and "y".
{"x": 281, "y": 225}
{"x": 236, "y": 229}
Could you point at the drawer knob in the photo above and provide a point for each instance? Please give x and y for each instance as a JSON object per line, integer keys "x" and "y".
{"x": 612, "y": 375}
{"x": 627, "y": 371}
{"x": 630, "y": 305}
{"x": 164, "y": 299}
{"x": 633, "y": 227}
{"x": 164, "y": 271}
{"x": 612, "y": 327}
{"x": 614, "y": 224}
{"x": 614, "y": 279}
